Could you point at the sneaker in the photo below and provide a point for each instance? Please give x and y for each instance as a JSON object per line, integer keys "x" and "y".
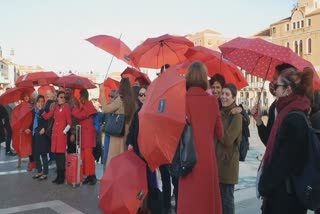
{"x": 11, "y": 153}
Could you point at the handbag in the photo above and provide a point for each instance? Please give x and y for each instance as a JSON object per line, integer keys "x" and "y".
{"x": 115, "y": 125}
{"x": 186, "y": 156}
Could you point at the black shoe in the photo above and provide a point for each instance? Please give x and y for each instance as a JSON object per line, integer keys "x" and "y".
{"x": 87, "y": 180}
{"x": 93, "y": 180}
{"x": 11, "y": 153}
{"x": 55, "y": 180}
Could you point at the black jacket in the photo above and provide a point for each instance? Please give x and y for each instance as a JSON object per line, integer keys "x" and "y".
{"x": 288, "y": 157}
{"x": 264, "y": 131}
{"x": 41, "y": 143}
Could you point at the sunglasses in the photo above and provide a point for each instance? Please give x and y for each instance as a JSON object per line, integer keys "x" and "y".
{"x": 275, "y": 86}
{"x": 142, "y": 95}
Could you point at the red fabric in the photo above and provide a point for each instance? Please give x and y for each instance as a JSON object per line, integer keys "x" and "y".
{"x": 112, "y": 45}
{"x": 14, "y": 94}
{"x": 21, "y": 119}
{"x": 75, "y": 82}
{"x": 88, "y": 162}
{"x": 123, "y": 186}
{"x": 43, "y": 90}
{"x": 62, "y": 118}
{"x": 85, "y": 116}
{"x": 134, "y": 75}
{"x": 165, "y": 49}
{"x": 284, "y": 106}
{"x": 109, "y": 85}
{"x": 199, "y": 191}
{"x": 259, "y": 57}
{"x": 156, "y": 147}
{"x": 37, "y": 79}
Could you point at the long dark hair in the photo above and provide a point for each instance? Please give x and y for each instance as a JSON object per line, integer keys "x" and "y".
{"x": 126, "y": 94}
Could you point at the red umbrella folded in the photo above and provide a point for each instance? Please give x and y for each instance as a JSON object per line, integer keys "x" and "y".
{"x": 162, "y": 118}
{"x": 134, "y": 75}
{"x": 14, "y": 94}
{"x": 165, "y": 49}
{"x": 123, "y": 186}
{"x": 40, "y": 78}
{"x": 75, "y": 82}
{"x": 112, "y": 45}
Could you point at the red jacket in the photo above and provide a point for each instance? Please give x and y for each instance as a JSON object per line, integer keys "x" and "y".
{"x": 85, "y": 116}
{"x": 199, "y": 191}
{"x": 62, "y": 118}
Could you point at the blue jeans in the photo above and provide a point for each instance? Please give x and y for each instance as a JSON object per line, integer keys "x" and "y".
{"x": 106, "y": 150}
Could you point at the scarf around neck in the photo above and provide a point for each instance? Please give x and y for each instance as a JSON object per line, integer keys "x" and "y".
{"x": 284, "y": 106}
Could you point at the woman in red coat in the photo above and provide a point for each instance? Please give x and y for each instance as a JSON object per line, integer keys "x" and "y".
{"x": 199, "y": 191}
{"x": 85, "y": 115}
{"x": 62, "y": 122}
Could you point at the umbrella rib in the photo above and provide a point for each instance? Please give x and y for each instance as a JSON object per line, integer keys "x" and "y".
{"x": 265, "y": 80}
{"x": 172, "y": 51}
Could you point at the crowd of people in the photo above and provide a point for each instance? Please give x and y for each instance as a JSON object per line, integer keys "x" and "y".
{"x": 217, "y": 123}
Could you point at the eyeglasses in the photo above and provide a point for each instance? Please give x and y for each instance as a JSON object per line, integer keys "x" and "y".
{"x": 142, "y": 95}
{"x": 275, "y": 86}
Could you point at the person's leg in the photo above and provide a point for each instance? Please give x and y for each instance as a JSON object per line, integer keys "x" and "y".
{"x": 44, "y": 158}
{"x": 166, "y": 186}
{"x": 227, "y": 197}
{"x": 57, "y": 165}
{"x": 105, "y": 150}
{"x": 175, "y": 182}
{"x": 89, "y": 168}
{"x": 8, "y": 141}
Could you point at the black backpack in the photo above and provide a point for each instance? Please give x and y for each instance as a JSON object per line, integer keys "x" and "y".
{"x": 307, "y": 184}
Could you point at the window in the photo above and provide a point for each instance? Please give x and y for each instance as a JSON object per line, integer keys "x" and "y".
{"x": 298, "y": 24}
{"x": 200, "y": 42}
{"x": 300, "y": 48}
{"x": 294, "y": 25}
{"x": 288, "y": 27}
{"x": 195, "y": 43}
{"x": 302, "y": 23}
{"x": 288, "y": 45}
{"x": 309, "y": 46}
{"x": 1, "y": 66}
{"x": 273, "y": 30}
{"x": 296, "y": 46}
{"x": 309, "y": 22}
{"x": 209, "y": 43}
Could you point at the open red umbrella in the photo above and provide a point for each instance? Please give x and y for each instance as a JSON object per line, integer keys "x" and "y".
{"x": 216, "y": 64}
{"x": 259, "y": 57}
{"x": 14, "y": 94}
{"x": 75, "y": 82}
{"x": 123, "y": 185}
{"x": 36, "y": 79}
{"x": 162, "y": 118}
{"x": 21, "y": 119}
{"x": 165, "y": 49}
{"x": 134, "y": 75}
{"x": 112, "y": 45}
{"x": 109, "y": 85}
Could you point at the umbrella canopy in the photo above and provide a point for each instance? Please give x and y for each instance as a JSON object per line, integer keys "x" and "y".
{"x": 259, "y": 57}
{"x": 21, "y": 119}
{"x": 75, "y": 82}
{"x": 155, "y": 52}
{"x": 134, "y": 75}
{"x": 109, "y": 85}
{"x": 112, "y": 45}
{"x": 40, "y": 78}
{"x": 164, "y": 111}
{"x": 14, "y": 94}
{"x": 123, "y": 185}
{"x": 216, "y": 64}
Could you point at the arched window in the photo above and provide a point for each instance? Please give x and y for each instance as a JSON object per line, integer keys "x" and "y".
{"x": 296, "y": 48}
{"x": 309, "y": 46}
{"x": 288, "y": 45}
{"x": 300, "y": 48}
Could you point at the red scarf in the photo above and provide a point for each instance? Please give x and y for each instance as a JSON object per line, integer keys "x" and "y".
{"x": 285, "y": 105}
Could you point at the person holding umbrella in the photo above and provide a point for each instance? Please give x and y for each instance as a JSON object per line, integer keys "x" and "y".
{"x": 85, "y": 115}
{"x": 199, "y": 191}
{"x": 62, "y": 123}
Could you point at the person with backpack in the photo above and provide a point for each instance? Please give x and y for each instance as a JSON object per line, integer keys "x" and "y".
{"x": 287, "y": 145}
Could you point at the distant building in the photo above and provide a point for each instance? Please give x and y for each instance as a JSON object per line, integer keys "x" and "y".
{"x": 8, "y": 73}
{"x": 207, "y": 38}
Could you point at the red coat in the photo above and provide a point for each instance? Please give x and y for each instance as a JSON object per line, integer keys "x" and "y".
{"x": 62, "y": 118}
{"x": 85, "y": 116}
{"x": 199, "y": 191}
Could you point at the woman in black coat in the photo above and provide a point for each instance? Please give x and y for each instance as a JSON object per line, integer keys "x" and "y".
{"x": 287, "y": 145}
{"x": 41, "y": 144}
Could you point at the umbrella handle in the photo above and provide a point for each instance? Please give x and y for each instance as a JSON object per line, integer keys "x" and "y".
{"x": 105, "y": 77}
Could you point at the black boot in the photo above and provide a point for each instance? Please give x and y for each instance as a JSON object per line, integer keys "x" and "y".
{"x": 93, "y": 180}
{"x": 57, "y": 178}
{"x": 87, "y": 180}
{"x": 61, "y": 177}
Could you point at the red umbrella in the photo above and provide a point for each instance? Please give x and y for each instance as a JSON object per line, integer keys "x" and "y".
{"x": 75, "y": 82}
{"x": 112, "y": 45}
{"x": 123, "y": 185}
{"x": 37, "y": 79}
{"x": 14, "y": 94}
{"x": 162, "y": 118}
{"x": 217, "y": 65}
{"x": 134, "y": 75}
{"x": 155, "y": 52}
{"x": 21, "y": 119}
{"x": 109, "y": 85}
{"x": 259, "y": 57}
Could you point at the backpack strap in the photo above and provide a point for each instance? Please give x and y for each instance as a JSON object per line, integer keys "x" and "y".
{"x": 303, "y": 114}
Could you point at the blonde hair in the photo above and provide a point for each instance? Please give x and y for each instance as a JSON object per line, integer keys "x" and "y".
{"x": 197, "y": 76}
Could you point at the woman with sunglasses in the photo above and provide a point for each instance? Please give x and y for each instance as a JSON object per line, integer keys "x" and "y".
{"x": 62, "y": 123}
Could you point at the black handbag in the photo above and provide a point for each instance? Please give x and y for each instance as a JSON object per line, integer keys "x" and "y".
{"x": 115, "y": 125}
{"x": 186, "y": 156}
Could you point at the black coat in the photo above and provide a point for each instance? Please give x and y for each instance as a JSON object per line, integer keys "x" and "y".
{"x": 264, "y": 131}
{"x": 288, "y": 157}
{"x": 41, "y": 143}
{"x": 132, "y": 138}
{"x": 4, "y": 119}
